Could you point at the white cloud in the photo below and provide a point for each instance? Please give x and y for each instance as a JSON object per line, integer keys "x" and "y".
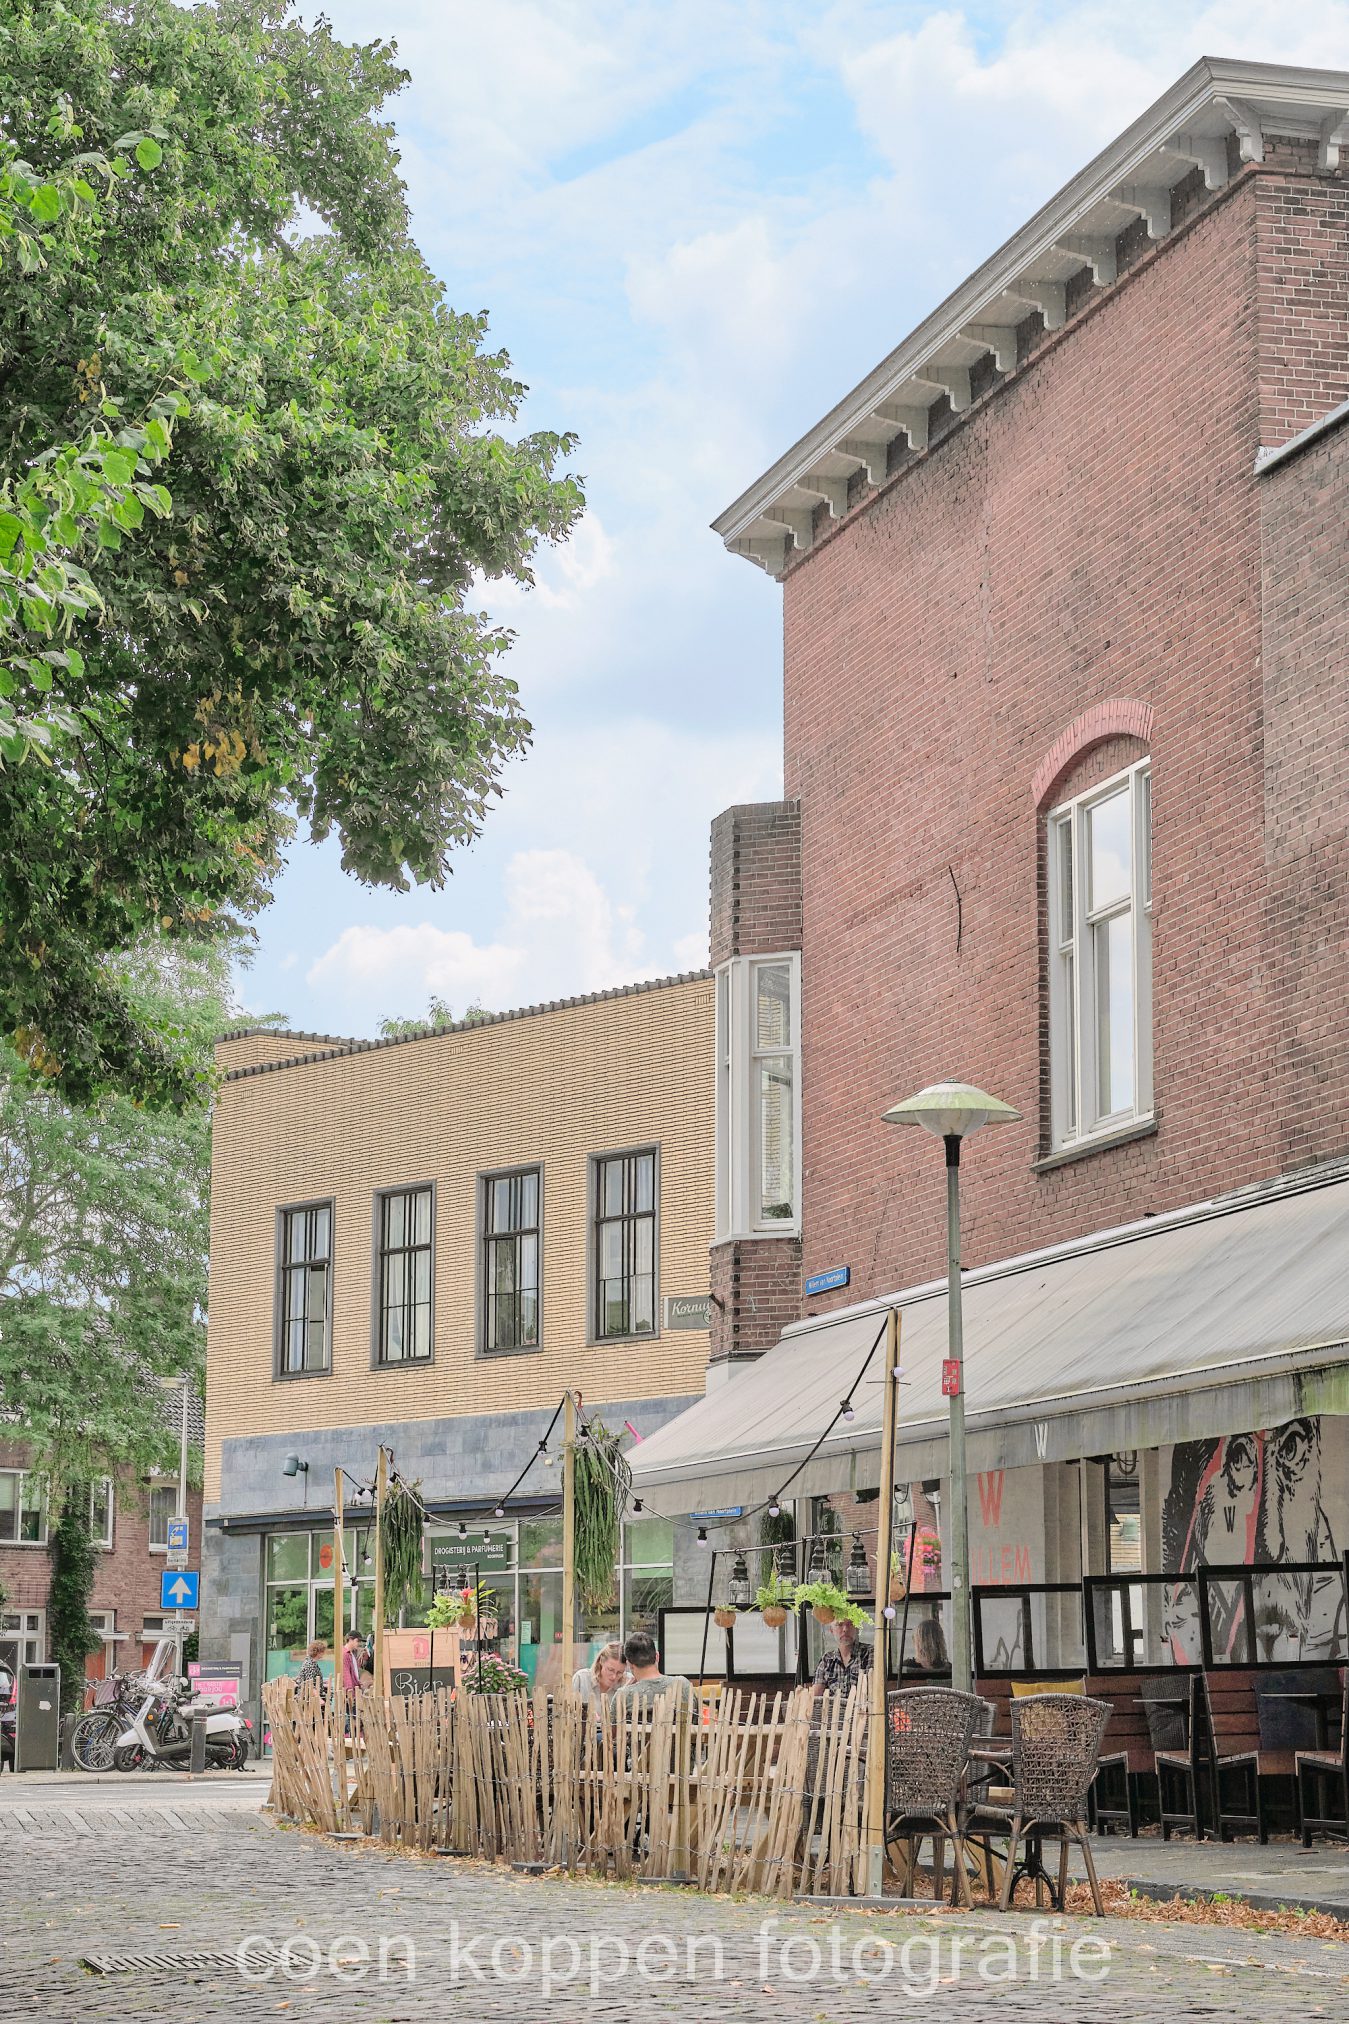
{"x": 561, "y": 936}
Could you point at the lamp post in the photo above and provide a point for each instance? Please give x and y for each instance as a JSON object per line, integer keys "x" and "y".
{"x": 953, "y": 1111}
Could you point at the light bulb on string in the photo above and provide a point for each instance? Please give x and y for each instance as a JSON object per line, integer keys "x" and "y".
{"x": 702, "y": 1535}
{"x": 845, "y": 1407}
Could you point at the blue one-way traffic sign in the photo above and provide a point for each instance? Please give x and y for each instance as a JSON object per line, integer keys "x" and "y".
{"x": 178, "y": 1591}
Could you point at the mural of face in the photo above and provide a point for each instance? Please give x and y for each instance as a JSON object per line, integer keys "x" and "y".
{"x": 1251, "y": 1499}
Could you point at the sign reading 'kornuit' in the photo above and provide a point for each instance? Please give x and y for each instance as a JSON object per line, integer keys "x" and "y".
{"x": 687, "y": 1310}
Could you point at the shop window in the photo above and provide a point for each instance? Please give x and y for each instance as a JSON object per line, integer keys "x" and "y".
{"x": 624, "y": 1245}
{"x": 1100, "y": 959}
{"x": 511, "y": 1233}
{"x": 403, "y": 1228}
{"x": 647, "y": 1573}
{"x": 23, "y": 1508}
{"x": 304, "y": 1289}
{"x": 758, "y": 1042}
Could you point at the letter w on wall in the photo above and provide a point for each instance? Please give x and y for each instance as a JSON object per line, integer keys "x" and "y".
{"x": 990, "y": 1497}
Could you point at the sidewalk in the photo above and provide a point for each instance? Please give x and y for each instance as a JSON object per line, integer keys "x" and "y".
{"x": 1281, "y": 1874}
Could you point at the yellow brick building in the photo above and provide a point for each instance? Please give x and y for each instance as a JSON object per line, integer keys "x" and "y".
{"x": 423, "y": 1242}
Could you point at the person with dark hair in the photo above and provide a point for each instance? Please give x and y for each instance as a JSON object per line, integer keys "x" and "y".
{"x": 648, "y": 1683}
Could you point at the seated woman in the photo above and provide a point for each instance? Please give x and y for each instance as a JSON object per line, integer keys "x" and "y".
{"x": 929, "y": 1648}
{"x": 597, "y": 1681}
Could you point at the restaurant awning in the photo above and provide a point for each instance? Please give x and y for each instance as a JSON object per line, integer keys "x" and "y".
{"x": 1233, "y": 1314}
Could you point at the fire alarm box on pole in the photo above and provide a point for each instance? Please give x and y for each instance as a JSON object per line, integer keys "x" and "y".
{"x": 950, "y": 1378}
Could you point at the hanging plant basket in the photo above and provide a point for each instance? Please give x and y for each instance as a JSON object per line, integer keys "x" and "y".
{"x": 725, "y": 1617}
{"x": 775, "y": 1615}
{"x": 822, "y": 1612}
{"x": 603, "y": 1485}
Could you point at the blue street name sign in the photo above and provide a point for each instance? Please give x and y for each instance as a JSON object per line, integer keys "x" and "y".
{"x": 179, "y": 1590}
{"x": 825, "y": 1282}
{"x": 731, "y": 1511}
{"x": 177, "y": 1535}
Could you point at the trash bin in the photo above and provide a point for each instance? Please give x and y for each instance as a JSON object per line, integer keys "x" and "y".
{"x": 37, "y": 1736}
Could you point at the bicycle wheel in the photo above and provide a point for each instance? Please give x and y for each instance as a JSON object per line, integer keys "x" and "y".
{"x": 95, "y": 1739}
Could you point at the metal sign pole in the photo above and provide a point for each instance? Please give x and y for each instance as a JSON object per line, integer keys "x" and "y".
{"x": 568, "y": 1537}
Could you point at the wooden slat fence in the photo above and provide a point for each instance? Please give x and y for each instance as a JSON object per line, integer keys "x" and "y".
{"x": 764, "y": 1794}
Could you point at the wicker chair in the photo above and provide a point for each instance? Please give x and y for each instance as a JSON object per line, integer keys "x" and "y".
{"x": 928, "y": 1731}
{"x": 1056, "y": 1741}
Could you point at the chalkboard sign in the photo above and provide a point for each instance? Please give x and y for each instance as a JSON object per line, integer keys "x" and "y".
{"x": 413, "y": 1681}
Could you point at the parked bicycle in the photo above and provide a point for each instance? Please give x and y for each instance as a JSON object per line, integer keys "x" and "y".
{"x": 94, "y": 1738}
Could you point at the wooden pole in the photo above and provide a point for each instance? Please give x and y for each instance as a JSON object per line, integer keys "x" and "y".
{"x": 874, "y": 1867}
{"x": 339, "y": 1613}
{"x": 568, "y": 1537}
{"x": 381, "y": 1491}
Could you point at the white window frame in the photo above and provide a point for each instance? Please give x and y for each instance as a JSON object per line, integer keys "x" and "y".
{"x": 24, "y": 1476}
{"x": 1075, "y": 1116}
{"x": 103, "y": 1540}
{"x": 166, "y": 1488}
{"x": 736, "y": 1193}
{"x": 25, "y": 1628}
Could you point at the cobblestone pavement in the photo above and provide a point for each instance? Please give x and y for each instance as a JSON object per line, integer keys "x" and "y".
{"x": 538, "y": 1941}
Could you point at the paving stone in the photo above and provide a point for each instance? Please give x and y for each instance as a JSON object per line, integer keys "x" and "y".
{"x": 147, "y": 1891}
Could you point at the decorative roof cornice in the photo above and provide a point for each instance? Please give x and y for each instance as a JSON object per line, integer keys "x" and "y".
{"x": 1215, "y": 118}
{"x": 346, "y": 1048}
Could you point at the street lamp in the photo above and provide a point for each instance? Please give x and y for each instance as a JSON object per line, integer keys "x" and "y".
{"x": 953, "y": 1111}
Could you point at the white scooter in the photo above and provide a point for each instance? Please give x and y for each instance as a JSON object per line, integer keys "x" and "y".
{"x": 160, "y": 1732}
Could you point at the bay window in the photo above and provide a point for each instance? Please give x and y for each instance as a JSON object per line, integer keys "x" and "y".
{"x": 758, "y": 1096}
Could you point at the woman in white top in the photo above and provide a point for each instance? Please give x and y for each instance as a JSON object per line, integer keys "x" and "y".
{"x": 596, "y": 1682}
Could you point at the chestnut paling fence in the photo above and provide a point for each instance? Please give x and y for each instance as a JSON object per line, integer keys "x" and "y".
{"x": 763, "y": 1793}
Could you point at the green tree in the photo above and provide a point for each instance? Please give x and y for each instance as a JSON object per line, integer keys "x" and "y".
{"x": 438, "y": 1013}
{"x": 103, "y": 1240}
{"x": 266, "y": 460}
{"x": 70, "y": 1634}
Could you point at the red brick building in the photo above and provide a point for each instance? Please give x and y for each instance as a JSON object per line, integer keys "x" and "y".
{"x": 1066, "y": 743}
{"x": 129, "y": 1520}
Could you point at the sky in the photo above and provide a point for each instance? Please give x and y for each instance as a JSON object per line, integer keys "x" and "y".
{"x": 694, "y": 227}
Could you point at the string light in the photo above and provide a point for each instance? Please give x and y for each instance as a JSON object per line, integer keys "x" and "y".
{"x": 774, "y": 1508}
{"x": 463, "y": 1529}
{"x": 846, "y": 1409}
{"x": 702, "y": 1535}
{"x": 636, "y": 1506}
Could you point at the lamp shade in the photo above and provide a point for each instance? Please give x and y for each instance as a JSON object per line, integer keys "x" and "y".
{"x": 951, "y": 1110}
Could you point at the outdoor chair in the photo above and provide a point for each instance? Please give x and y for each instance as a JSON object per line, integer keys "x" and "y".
{"x": 1322, "y": 1775}
{"x": 1239, "y": 1775}
{"x": 1182, "y": 1751}
{"x": 928, "y": 1731}
{"x": 1056, "y": 1741}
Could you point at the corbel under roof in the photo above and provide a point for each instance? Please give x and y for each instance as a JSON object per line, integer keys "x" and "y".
{"x": 1219, "y": 110}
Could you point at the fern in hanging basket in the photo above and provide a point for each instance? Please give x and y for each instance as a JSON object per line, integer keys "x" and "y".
{"x": 602, "y": 1488}
{"x": 401, "y": 1549}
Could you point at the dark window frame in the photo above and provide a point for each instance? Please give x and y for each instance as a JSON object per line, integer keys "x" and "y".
{"x": 279, "y": 1369}
{"x": 484, "y": 1237}
{"x": 382, "y": 1195}
{"x": 595, "y": 1334}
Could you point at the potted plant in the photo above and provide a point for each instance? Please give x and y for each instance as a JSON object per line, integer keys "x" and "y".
{"x": 491, "y": 1674}
{"x": 465, "y": 1609}
{"x": 897, "y": 1584}
{"x": 776, "y": 1600}
{"x": 825, "y": 1600}
{"x": 725, "y": 1616}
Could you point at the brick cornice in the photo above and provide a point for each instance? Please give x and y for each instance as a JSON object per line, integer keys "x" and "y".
{"x": 1118, "y": 716}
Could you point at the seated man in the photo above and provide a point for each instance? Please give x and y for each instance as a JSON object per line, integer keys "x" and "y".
{"x": 839, "y": 1671}
{"x": 648, "y": 1683}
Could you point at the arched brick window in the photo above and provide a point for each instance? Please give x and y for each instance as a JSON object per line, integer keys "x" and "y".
{"x": 1098, "y": 844}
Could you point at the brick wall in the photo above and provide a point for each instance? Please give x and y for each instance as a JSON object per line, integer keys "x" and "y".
{"x": 1302, "y": 256}
{"x": 1089, "y": 534}
{"x": 126, "y": 1580}
{"x": 755, "y": 910}
{"x": 1306, "y": 782}
{"x": 756, "y": 880}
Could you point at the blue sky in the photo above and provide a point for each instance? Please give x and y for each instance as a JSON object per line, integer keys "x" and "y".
{"x": 695, "y": 226}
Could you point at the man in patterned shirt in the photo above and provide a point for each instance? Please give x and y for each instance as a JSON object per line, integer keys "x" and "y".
{"x": 839, "y": 1671}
